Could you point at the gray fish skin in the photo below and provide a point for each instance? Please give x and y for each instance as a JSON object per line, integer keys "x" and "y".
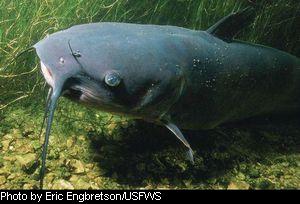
{"x": 149, "y": 59}
{"x": 197, "y": 80}
{"x": 171, "y": 76}
{"x": 230, "y": 81}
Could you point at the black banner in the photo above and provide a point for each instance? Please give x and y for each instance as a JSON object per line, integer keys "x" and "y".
{"x": 80, "y": 196}
{"x": 83, "y": 196}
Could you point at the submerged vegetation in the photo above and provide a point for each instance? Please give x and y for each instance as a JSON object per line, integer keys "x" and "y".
{"x": 91, "y": 150}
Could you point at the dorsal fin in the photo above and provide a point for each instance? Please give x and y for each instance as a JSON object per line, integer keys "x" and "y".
{"x": 232, "y": 24}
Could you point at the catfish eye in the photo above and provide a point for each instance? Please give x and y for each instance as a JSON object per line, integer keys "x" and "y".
{"x": 112, "y": 79}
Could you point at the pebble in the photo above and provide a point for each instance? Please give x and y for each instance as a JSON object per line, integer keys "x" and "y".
{"x": 78, "y": 166}
{"x": 70, "y": 142}
{"x": 27, "y": 160}
{"x": 5, "y": 145}
{"x": 238, "y": 185}
{"x": 62, "y": 185}
{"x": 2, "y": 180}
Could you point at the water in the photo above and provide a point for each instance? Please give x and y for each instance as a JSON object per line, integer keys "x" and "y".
{"x": 91, "y": 149}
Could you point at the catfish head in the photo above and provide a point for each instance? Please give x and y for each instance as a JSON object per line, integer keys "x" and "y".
{"x": 125, "y": 77}
{"x": 117, "y": 68}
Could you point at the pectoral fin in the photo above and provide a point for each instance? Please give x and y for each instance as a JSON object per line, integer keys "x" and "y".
{"x": 175, "y": 130}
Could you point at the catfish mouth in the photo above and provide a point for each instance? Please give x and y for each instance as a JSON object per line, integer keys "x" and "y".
{"x": 81, "y": 88}
{"x": 47, "y": 74}
{"x": 85, "y": 90}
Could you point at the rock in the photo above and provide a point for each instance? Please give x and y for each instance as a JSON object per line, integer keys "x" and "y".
{"x": 78, "y": 166}
{"x": 90, "y": 166}
{"x": 112, "y": 126}
{"x": 9, "y": 158}
{"x": 62, "y": 185}
{"x": 7, "y": 137}
{"x": 24, "y": 148}
{"x": 238, "y": 185}
{"x": 49, "y": 177}
{"x": 91, "y": 175}
{"x": 98, "y": 180}
{"x": 94, "y": 186}
{"x": 28, "y": 162}
{"x": 81, "y": 184}
{"x": 2, "y": 180}
{"x": 5, "y": 145}
{"x": 74, "y": 179}
{"x": 13, "y": 176}
{"x": 70, "y": 142}
{"x": 28, "y": 186}
{"x": 3, "y": 171}
{"x": 26, "y": 159}
{"x": 16, "y": 133}
{"x": 81, "y": 138}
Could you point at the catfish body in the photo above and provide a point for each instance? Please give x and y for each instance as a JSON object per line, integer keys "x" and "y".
{"x": 217, "y": 81}
{"x": 171, "y": 76}
{"x": 236, "y": 80}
